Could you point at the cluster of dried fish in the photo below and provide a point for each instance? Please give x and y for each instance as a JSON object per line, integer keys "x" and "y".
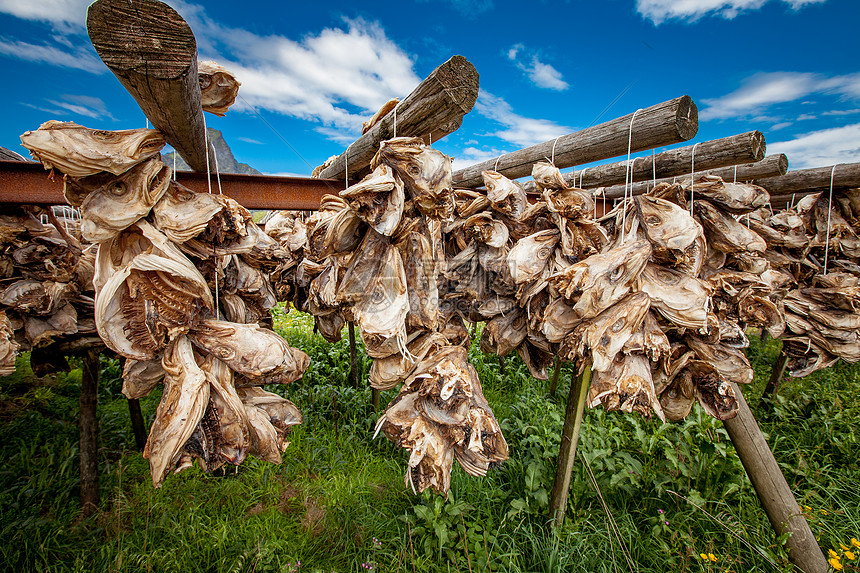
{"x": 180, "y": 285}
{"x": 816, "y": 246}
{"x": 46, "y": 296}
{"x": 374, "y": 256}
{"x": 653, "y": 297}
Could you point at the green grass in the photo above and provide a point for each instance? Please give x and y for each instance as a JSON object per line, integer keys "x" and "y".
{"x": 645, "y": 496}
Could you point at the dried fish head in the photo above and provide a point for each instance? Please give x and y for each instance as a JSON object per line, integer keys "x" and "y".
{"x": 605, "y": 335}
{"x": 379, "y": 115}
{"x": 420, "y": 268}
{"x": 649, "y": 340}
{"x": 506, "y": 197}
{"x": 79, "y": 151}
{"x": 731, "y": 363}
{"x": 8, "y": 346}
{"x": 182, "y": 213}
{"x": 503, "y": 333}
{"x": 626, "y": 386}
{"x": 128, "y": 197}
{"x": 218, "y": 87}
{"x": 186, "y": 394}
{"x": 283, "y": 414}
{"x": 548, "y": 176}
{"x": 602, "y": 279}
{"x": 343, "y": 233}
{"x": 139, "y": 377}
{"x": 377, "y": 199}
{"x": 425, "y": 172}
{"x": 530, "y": 256}
{"x": 250, "y": 350}
{"x": 485, "y": 229}
{"x": 683, "y": 300}
{"x": 725, "y": 233}
{"x": 713, "y": 391}
{"x": 760, "y": 311}
{"x": 735, "y": 198}
{"x": 143, "y": 303}
{"x": 382, "y": 311}
{"x": 569, "y": 203}
{"x": 667, "y": 226}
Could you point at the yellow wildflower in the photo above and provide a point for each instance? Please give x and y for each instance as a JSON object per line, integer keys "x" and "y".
{"x": 855, "y": 543}
{"x": 835, "y": 563}
{"x": 703, "y": 556}
{"x": 823, "y": 512}
{"x": 842, "y": 545}
{"x": 712, "y": 557}
{"x": 833, "y": 554}
{"x": 850, "y": 555}
{"x": 807, "y": 508}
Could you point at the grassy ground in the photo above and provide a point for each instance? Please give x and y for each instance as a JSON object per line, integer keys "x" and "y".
{"x": 645, "y": 496}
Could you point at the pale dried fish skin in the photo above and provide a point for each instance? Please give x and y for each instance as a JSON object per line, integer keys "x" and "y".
{"x": 504, "y": 195}
{"x": 218, "y": 87}
{"x": 79, "y": 151}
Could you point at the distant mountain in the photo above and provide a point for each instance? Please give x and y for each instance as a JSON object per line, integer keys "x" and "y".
{"x": 226, "y": 162}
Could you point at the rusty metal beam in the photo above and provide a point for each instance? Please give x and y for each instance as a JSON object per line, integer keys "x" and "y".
{"x": 28, "y": 183}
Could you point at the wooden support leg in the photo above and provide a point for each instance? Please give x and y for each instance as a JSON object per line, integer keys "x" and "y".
{"x": 776, "y": 376}
{"x": 569, "y": 440}
{"x": 88, "y": 428}
{"x": 772, "y": 489}
{"x": 138, "y": 426}
{"x": 374, "y": 398}
{"x": 353, "y": 357}
{"x": 553, "y": 384}
{"x": 502, "y": 366}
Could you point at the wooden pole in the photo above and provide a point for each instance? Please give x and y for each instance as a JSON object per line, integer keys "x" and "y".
{"x": 553, "y": 384}
{"x": 434, "y": 109}
{"x": 569, "y": 440}
{"x": 153, "y": 53}
{"x": 88, "y": 429}
{"x": 776, "y": 376}
{"x": 770, "y": 165}
{"x": 666, "y": 123}
{"x": 138, "y": 426}
{"x": 845, "y": 176}
{"x": 773, "y": 491}
{"x": 353, "y": 356}
{"x": 735, "y": 150}
{"x": 503, "y": 370}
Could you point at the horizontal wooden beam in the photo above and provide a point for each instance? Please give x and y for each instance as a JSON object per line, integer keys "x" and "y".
{"x": 28, "y": 183}
{"x": 734, "y": 150}
{"x": 770, "y": 165}
{"x": 434, "y": 109}
{"x": 666, "y": 123}
{"x": 845, "y": 176}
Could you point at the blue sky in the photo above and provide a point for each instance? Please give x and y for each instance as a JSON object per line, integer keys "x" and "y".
{"x": 316, "y": 70}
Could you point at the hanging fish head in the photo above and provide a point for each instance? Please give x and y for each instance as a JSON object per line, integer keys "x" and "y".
{"x": 79, "y": 151}
{"x": 425, "y": 172}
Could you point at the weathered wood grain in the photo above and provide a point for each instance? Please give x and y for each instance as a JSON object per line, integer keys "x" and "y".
{"x": 153, "y": 53}
{"x": 771, "y": 165}
{"x": 666, "y": 123}
{"x": 734, "y": 150}
{"x": 845, "y": 176}
{"x": 434, "y": 109}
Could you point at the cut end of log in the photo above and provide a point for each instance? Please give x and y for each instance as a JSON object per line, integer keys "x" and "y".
{"x": 782, "y": 162}
{"x": 687, "y": 118}
{"x": 757, "y": 145}
{"x": 460, "y": 79}
{"x": 146, "y": 35}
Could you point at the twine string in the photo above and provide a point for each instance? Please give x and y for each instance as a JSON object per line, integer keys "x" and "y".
{"x": 829, "y": 209}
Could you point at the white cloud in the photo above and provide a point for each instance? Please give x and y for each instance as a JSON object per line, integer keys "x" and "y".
{"x": 472, "y": 155}
{"x": 841, "y": 112}
{"x": 820, "y": 148}
{"x": 469, "y": 8}
{"x": 778, "y": 126}
{"x": 66, "y": 15}
{"x": 520, "y": 131}
{"x": 659, "y": 11}
{"x": 760, "y": 91}
{"x": 78, "y": 58}
{"x": 87, "y": 106}
{"x": 541, "y": 74}
{"x": 249, "y": 140}
{"x": 803, "y": 116}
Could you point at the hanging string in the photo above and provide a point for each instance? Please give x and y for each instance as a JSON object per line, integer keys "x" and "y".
{"x": 692, "y": 176}
{"x": 654, "y": 167}
{"x": 628, "y": 175}
{"x": 553, "y": 150}
{"x": 496, "y": 166}
{"x": 174, "y": 164}
{"x": 217, "y": 171}
{"x": 346, "y": 164}
{"x": 735, "y": 180}
{"x": 395, "y": 119}
{"x": 208, "y": 171}
{"x": 793, "y": 195}
{"x": 829, "y": 208}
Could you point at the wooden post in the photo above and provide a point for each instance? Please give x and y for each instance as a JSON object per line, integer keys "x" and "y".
{"x": 662, "y": 124}
{"x": 434, "y": 109}
{"x": 769, "y": 166}
{"x": 776, "y": 376}
{"x": 89, "y": 430}
{"x": 772, "y": 489}
{"x": 553, "y": 384}
{"x": 735, "y": 150}
{"x": 845, "y": 176}
{"x": 374, "y": 398}
{"x": 502, "y": 366}
{"x": 353, "y": 357}
{"x": 153, "y": 53}
{"x": 138, "y": 426}
{"x": 569, "y": 440}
